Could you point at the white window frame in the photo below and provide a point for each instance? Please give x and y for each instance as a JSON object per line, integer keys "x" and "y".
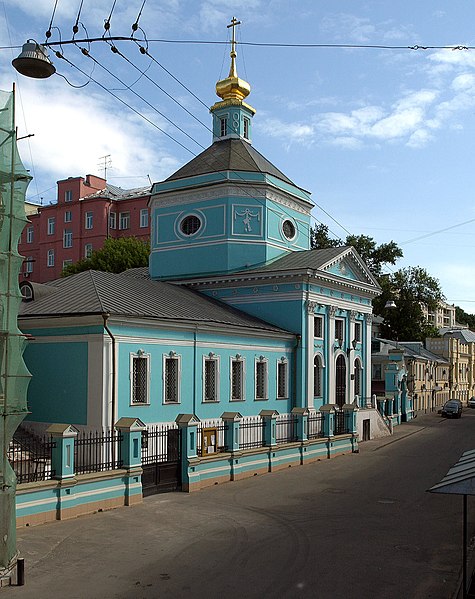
{"x": 318, "y": 318}
{"x": 246, "y": 127}
{"x": 143, "y": 218}
{"x": 68, "y": 195}
{"x": 50, "y": 258}
{"x": 237, "y": 359}
{"x": 68, "y": 216}
{"x": 223, "y": 126}
{"x": 87, "y": 250}
{"x": 29, "y": 234}
{"x": 358, "y": 328}
{"x": 139, "y": 355}
{"x": 112, "y": 220}
{"x": 124, "y": 218}
{"x": 67, "y": 262}
{"x": 29, "y": 265}
{"x": 51, "y": 225}
{"x": 171, "y": 356}
{"x": 264, "y": 362}
{"x": 89, "y": 220}
{"x": 211, "y": 357}
{"x": 282, "y": 363}
{"x": 67, "y": 238}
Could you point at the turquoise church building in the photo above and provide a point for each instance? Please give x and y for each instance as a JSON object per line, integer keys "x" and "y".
{"x": 234, "y": 314}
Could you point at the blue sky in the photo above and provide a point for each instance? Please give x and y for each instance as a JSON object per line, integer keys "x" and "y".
{"x": 384, "y": 139}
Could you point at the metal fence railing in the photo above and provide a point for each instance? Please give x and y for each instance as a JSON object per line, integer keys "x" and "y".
{"x": 340, "y": 425}
{"x": 97, "y": 452}
{"x": 160, "y": 443}
{"x": 286, "y": 429}
{"x": 252, "y": 433}
{"x": 30, "y": 457}
{"x": 315, "y": 426}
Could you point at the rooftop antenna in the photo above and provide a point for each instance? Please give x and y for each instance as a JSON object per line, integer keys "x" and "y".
{"x": 106, "y": 162}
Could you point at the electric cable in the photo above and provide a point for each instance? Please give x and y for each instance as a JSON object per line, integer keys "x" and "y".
{"x": 135, "y": 25}
{"x": 48, "y": 32}
{"x": 75, "y": 26}
{"x": 107, "y": 22}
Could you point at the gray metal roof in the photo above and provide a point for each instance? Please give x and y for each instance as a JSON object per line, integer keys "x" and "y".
{"x": 413, "y": 349}
{"x": 117, "y": 193}
{"x": 306, "y": 259}
{"x": 228, "y": 155}
{"x": 95, "y": 292}
{"x": 465, "y": 335}
{"x": 460, "y": 479}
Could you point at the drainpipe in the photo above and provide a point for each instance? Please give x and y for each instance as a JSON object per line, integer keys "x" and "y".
{"x": 296, "y": 347}
{"x": 105, "y": 317}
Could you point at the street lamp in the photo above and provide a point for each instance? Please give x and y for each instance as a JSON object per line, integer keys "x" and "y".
{"x": 33, "y": 61}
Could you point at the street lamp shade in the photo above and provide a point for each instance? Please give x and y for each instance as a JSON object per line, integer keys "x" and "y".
{"x": 33, "y": 61}
{"x": 390, "y": 304}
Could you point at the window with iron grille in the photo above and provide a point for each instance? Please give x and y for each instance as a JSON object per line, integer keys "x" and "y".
{"x": 282, "y": 379}
{"x": 171, "y": 380}
{"x": 190, "y": 225}
{"x": 357, "y": 378}
{"x": 318, "y": 327}
{"x": 210, "y": 387}
{"x": 339, "y": 328}
{"x": 261, "y": 379}
{"x": 317, "y": 377}
{"x": 237, "y": 379}
{"x": 357, "y": 331}
{"x": 140, "y": 385}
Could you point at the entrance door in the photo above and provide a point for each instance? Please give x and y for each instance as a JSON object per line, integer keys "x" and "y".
{"x": 340, "y": 381}
{"x": 161, "y": 462}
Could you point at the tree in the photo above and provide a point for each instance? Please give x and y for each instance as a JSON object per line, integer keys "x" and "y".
{"x": 463, "y": 318}
{"x": 116, "y": 256}
{"x": 375, "y": 256}
{"x": 408, "y": 288}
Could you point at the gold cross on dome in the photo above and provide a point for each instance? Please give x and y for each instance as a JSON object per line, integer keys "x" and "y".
{"x": 234, "y": 23}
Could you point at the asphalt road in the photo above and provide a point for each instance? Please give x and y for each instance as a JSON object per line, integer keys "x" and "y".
{"x": 358, "y": 526}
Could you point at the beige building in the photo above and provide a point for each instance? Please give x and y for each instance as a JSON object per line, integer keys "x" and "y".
{"x": 442, "y": 316}
{"x": 457, "y": 346}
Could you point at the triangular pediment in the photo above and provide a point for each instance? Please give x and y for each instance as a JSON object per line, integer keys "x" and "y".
{"x": 348, "y": 265}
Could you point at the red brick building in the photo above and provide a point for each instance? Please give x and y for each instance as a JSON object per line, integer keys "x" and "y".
{"x": 87, "y": 212}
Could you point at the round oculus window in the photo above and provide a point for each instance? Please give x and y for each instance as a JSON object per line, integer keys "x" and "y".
{"x": 288, "y": 229}
{"x": 190, "y": 225}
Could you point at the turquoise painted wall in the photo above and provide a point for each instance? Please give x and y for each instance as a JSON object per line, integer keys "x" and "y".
{"x": 58, "y": 388}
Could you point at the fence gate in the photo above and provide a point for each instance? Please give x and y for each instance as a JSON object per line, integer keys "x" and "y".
{"x": 161, "y": 461}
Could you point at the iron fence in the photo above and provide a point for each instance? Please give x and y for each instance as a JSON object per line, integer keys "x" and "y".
{"x": 97, "y": 452}
{"x": 160, "y": 443}
{"x": 286, "y": 429}
{"x": 315, "y": 426}
{"x": 30, "y": 458}
{"x": 211, "y": 438}
{"x": 251, "y": 433}
{"x": 340, "y": 425}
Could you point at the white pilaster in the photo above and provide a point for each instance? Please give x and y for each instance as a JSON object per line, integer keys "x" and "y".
{"x": 331, "y": 355}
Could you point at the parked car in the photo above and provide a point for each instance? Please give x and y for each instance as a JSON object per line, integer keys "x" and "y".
{"x": 452, "y": 409}
{"x": 471, "y": 402}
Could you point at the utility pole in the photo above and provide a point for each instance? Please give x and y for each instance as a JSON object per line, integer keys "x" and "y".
{"x": 106, "y": 162}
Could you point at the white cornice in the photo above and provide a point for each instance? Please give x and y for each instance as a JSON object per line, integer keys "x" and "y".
{"x": 262, "y": 192}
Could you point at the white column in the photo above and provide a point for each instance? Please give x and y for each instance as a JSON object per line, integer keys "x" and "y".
{"x": 331, "y": 355}
{"x": 367, "y": 358}
{"x": 351, "y": 359}
{"x": 310, "y": 351}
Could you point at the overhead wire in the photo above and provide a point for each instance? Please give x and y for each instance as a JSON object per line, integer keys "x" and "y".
{"x": 48, "y": 31}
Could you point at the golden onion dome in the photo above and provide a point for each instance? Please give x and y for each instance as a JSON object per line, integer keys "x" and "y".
{"x": 233, "y": 88}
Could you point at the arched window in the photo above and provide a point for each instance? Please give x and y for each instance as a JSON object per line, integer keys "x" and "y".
{"x": 317, "y": 377}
